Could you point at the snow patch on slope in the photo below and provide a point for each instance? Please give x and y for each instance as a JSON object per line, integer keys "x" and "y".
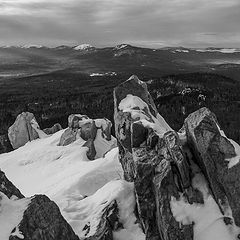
{"x": 207, "y": 217}
{"x": 89, "y": 211}
{"x": 63, "y": 173}
{"x": 43, "y": 167}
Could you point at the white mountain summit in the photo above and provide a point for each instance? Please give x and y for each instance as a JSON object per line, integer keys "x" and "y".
{"x": 84, "y": 46}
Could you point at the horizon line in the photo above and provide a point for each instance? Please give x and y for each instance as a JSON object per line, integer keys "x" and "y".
{"x": 110, "y": 46}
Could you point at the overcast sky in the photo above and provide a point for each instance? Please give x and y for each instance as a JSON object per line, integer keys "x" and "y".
{"x": 153, "y": 23}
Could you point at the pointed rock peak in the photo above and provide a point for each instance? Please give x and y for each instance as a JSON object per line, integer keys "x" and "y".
{"x": 136, "y": 79}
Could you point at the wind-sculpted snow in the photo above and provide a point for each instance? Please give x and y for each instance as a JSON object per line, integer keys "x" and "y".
{"x": 107, "y": 214}
{"x": 63, "y": 173}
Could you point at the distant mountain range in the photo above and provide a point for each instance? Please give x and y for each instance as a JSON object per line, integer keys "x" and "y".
{"x": 87, "y": 47}
{"x": 28, "y": 60}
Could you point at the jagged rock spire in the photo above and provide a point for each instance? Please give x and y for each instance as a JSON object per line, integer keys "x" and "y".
{"x": 201, "y": 167}
{"x": 152, "y": 158}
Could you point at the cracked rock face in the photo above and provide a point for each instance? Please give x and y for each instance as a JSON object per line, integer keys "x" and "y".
{"x": 162, "y": 164}
{"x": 42, "y": 220}
{"x": 22, "y": 131}
{"x": 152, "y": 158}
{"x": 213, "y": 152}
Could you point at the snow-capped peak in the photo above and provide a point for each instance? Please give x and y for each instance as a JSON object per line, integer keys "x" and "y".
{"x": 84, "y": 46}
{"x": 31, "y": 46}
{"x": 23, "y": 46}
{"x": 121, "y": 46}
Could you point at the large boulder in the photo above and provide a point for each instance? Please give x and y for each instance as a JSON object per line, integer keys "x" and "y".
{"x": 42, "y": 220}
{"x": 88, "y": 129}
{"x": 22, "y": 131}
{"x": 152, "y": 157}
{"x": 218, "y": 158}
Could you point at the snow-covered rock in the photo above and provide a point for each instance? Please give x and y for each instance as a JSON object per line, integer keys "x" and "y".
{"x": 62, "y": 173}
{"x": 147, "y": 145}
{"x": 96, "y": 133}
{"x": 174, "y": 201}
{"x": 213, "y": 152}
{"x": 74, "y": 119}
{"x": 55, "y": 128}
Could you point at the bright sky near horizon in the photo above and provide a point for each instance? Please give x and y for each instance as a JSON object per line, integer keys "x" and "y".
{"x": 152, "y": 23}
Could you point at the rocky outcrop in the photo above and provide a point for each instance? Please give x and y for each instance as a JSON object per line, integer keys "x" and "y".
{"x": 217, "y": 157}
{"x": 162, "y": 164}
{"x": 8, "y": 188}
{"x": 22, "y": 131}
{"x": 42, "y": 220}
{"x": 74, "y": 119}
{"x": 55, "y": 128}
{"x": 5, "y": 145}
{"x": 80, "y": 126}
{"x": 109, "y": 211}
{"x": 152, "y": 157}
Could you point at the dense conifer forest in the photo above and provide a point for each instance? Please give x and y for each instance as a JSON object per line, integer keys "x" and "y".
{"x": 53, "y": 96}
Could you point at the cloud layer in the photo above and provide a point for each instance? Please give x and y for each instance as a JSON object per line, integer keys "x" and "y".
{"x": 108, "y": 22}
